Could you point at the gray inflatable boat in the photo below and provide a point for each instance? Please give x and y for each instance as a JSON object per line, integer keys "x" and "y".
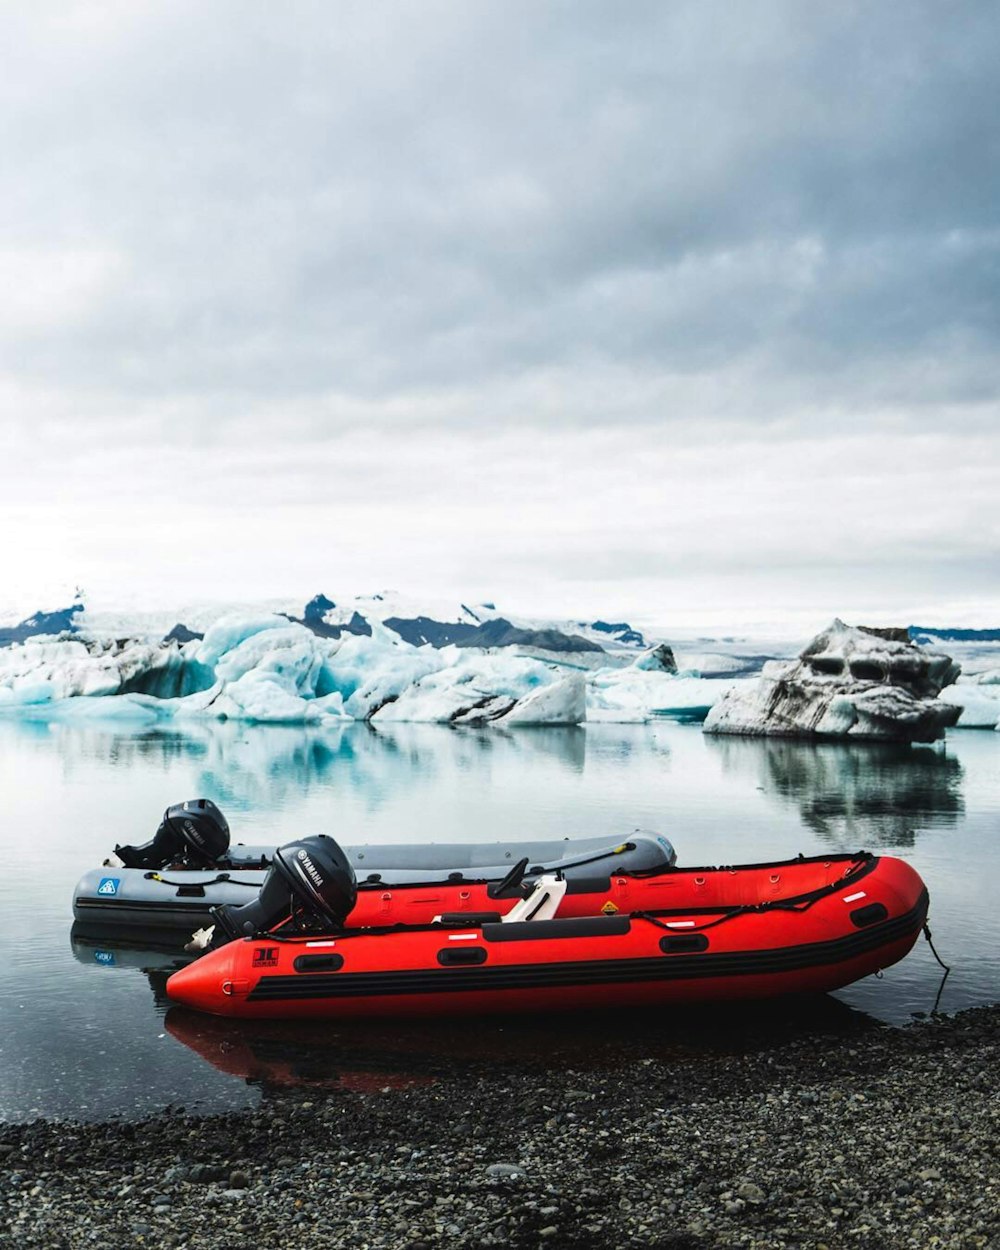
{"x": 133, "y": 899}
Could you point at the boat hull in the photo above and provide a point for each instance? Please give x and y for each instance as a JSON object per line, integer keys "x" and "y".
{"x": 864, "y": 919}
{"x": 107, "y": 899}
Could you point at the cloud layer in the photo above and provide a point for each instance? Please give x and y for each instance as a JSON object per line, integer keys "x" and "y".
{"x": 670, "y": 305}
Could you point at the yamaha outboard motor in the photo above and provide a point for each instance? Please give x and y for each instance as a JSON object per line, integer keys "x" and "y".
{"x": 195, "y": 834}
{"x": 310, "y": 882}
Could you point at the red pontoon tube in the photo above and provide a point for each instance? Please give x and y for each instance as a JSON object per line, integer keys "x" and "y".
{"x": 684, "y": 936}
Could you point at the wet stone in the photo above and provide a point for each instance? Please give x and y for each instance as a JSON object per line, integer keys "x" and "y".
{"x": 504, "y": 1171}
{"x": 730, "y": 1167}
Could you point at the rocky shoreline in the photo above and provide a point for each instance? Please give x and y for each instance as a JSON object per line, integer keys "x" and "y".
{"x": 873, "y": 1137}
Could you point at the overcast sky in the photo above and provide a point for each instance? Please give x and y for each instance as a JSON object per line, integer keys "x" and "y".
{"x": 682, "y": 311}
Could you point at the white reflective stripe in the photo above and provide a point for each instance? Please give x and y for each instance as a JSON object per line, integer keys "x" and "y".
{"x": 321, "y": 943}
{"x": 680, "y": 924}
{"x": 462, "y": 937}
{"x": 853, "y": 898}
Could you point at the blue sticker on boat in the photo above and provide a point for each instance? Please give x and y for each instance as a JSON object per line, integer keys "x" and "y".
{"x": 105, "y": 957}
{"x": 109, "y": 885}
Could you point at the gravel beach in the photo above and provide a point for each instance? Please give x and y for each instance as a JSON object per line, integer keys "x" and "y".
{"x": 870, "y": 1137}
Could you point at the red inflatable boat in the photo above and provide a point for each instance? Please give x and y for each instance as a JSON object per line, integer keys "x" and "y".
{"x": 681, "y": 936}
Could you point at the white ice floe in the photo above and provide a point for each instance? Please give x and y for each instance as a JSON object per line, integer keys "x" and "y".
{"x": 978, "y": 698}
{"x": 40, "y": 671}
{"x": 469, "y": 686}
{"x": 563, "y": 702}
{"x": 638, "y": 694}
{"x": 847, "y": 683}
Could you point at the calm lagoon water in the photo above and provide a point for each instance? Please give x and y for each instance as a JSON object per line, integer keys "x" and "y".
{"x": 88, "y": 1034}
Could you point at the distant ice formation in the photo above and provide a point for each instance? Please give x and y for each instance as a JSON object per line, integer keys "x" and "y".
{"x": 268, "y": 667}
{"x": 41, "y": 623}
{"x": 382, "y": 659}
{"x": 847, "y": 683}
{"x": 418, "y": 622}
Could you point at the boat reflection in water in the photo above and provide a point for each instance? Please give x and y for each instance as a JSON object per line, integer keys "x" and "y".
{"x": 381, "y": 1057}
{"x": 386, "y": 1056}
{"x": 157, "y": 961}
{"x": 285, "y": 1055}
{"x": 110, "y": 950}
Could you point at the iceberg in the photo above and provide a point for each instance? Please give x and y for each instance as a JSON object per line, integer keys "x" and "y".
{"x": 658, "y": 659}
{"x": 638, "y": 694}
{"x": 563, "y": 702}
{"x": 847, "y": 683}
{"x": 44, "y": 670}
{"x": 267, "y": 667}
{"x": 471, "y": 688}
{"x": 978, "y": 700}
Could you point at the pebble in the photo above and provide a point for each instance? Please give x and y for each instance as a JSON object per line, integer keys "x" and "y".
{"x": 770, "y": 1148}
{"x": 507, "y": 1171}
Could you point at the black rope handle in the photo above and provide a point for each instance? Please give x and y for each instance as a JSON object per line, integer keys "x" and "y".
{"x": 800, "y": 905}
{"x": 222, "y": 879}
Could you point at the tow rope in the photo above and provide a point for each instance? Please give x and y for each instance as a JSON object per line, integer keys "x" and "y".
{"x": 930, "y": 943}
{"x": 941, "y": 963}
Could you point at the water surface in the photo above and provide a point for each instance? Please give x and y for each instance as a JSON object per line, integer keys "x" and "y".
{"x": 86, "y": 1030}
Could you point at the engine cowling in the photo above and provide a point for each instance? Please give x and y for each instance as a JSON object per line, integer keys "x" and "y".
{"x": 194, "y": 833}
{"x": 310, "y": 880}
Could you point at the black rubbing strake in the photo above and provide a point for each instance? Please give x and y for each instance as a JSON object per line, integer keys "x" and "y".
{"x": 591, "y": 971}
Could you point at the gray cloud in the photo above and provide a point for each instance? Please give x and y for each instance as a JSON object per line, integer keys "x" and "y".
{"x": 385, "y": 197}
{"x": 257, "y": 232}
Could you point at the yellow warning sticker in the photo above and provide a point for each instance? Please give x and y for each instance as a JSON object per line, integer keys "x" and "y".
{"x": 608, "y": 908}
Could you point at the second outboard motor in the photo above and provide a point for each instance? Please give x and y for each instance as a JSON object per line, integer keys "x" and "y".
{"x": 195, "y": 834}
{"x": 310, "y": 881}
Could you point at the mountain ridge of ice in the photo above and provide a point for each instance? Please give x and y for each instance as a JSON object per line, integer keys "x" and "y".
{"x": 418, "y": 620}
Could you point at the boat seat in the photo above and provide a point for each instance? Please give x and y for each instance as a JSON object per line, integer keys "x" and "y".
{"x": 543, "y": 901}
